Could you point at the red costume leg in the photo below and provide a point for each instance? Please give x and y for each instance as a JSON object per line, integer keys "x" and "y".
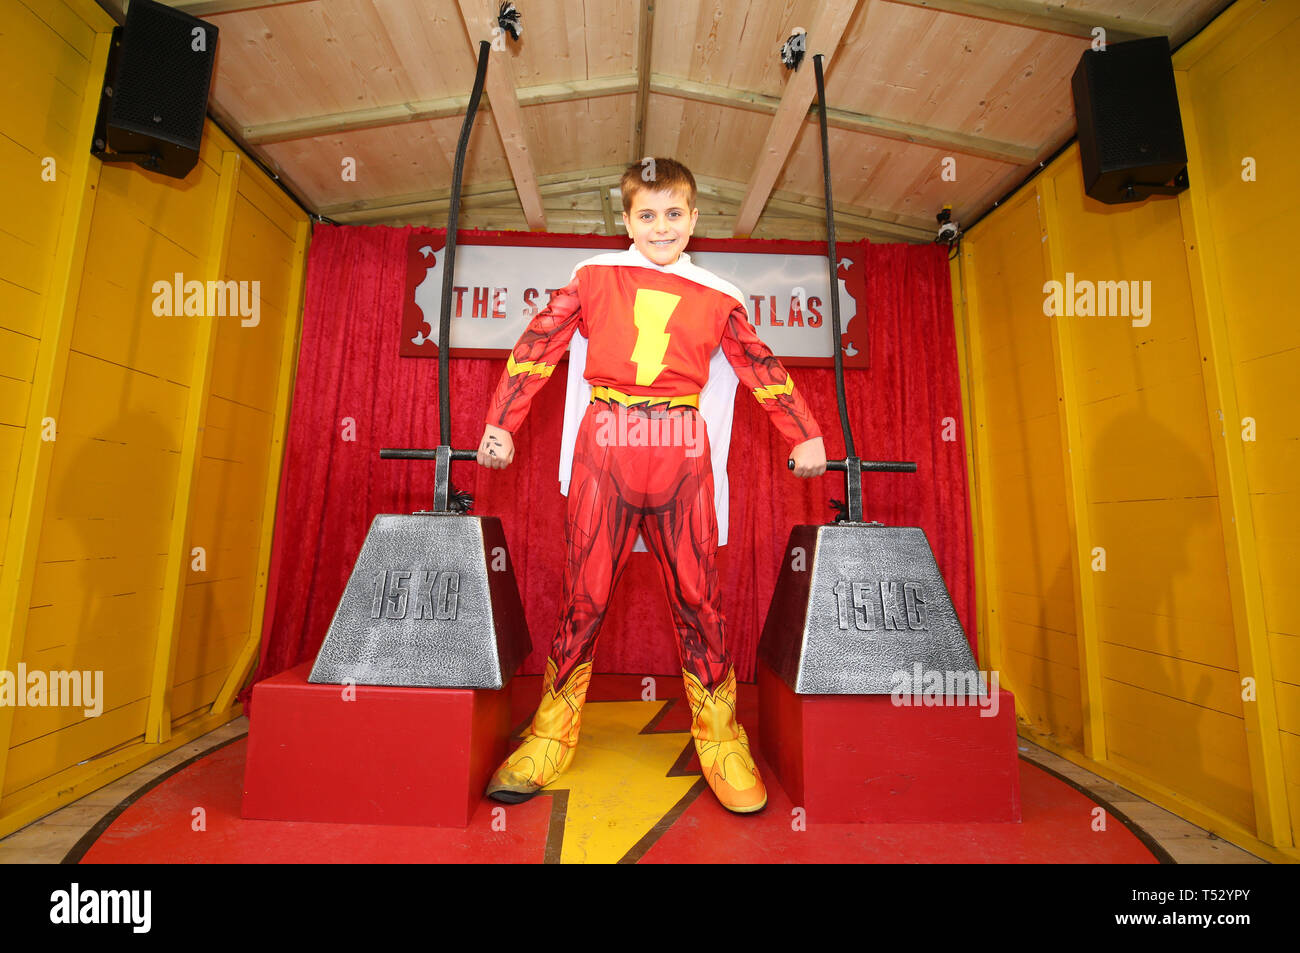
{"x": 681, "y": 530}
{"x": 600, "y": 531}
{"x": 600, "y": 528}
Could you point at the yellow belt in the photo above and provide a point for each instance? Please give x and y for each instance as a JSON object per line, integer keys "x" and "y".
{"x": 611, "y": 395}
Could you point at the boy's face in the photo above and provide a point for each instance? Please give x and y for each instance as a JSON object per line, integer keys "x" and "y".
{"x": 660, "y": 223}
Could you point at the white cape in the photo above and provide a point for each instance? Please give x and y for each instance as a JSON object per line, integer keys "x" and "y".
{"x": 717, "y": 399}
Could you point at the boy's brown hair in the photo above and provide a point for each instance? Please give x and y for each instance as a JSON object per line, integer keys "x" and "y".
{"x": 658, "y": 175}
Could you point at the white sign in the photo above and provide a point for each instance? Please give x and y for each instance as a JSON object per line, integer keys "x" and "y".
{"x": 498, "y": 289}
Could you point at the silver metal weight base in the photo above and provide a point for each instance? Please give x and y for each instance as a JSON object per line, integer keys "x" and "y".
{"x": 863, "y": 603}
{"x": 432, "y": 603}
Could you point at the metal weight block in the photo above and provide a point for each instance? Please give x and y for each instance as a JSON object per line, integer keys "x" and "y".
{"x": 432, "y": 602}
{"x": 863, "y": 610}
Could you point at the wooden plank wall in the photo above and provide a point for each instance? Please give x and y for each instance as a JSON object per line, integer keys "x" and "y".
{"x": 141, "y": 535}
{"x": 1028, "y": 608}
{"x": 1174, "y": 669}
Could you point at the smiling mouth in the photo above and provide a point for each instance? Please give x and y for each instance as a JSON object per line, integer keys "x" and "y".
{"x": 665, "y": 241}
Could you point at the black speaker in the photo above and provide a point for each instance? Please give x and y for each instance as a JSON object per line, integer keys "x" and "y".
{"x": 156, "y": 86}
{"x": 1130, "y": 131}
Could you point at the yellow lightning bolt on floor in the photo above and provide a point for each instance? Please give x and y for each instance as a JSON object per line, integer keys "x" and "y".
{"x": 650, "y": 312}
{"x": 618, "y": 785}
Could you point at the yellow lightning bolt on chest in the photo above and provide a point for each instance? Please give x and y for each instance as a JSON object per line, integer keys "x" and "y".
{"x": 650, "y": 312}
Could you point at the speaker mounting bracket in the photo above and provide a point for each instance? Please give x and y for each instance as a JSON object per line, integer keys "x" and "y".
{"x": 1136, "y": 191}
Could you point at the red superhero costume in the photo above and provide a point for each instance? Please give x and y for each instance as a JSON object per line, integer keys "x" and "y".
{"x": 652, "y": 330}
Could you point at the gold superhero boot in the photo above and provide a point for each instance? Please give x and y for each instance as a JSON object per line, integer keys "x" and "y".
{"x": 551, "y": 740}
{"x": 720, "y": 741}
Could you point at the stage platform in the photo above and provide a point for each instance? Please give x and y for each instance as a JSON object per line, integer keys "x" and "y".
{"x": 634, "y": 795}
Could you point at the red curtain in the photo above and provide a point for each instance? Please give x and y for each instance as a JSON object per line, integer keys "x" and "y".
{"x": 354, "y": 395}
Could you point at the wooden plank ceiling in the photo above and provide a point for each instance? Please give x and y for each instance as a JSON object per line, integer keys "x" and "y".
{"x": 592, "y": 85}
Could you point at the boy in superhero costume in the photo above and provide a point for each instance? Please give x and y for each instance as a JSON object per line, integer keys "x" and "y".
{"x": 653, "y": 321}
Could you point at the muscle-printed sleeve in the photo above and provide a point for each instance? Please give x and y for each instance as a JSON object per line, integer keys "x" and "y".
{"x": 765, "y": 377}
{"x": 534, "y": 357}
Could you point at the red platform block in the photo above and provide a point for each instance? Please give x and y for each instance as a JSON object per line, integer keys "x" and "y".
{"x": 860, "y": 758}
{"x": 414, "y": 756}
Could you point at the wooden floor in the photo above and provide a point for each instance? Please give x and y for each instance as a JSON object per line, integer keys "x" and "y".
{"x": 49, "y": 839}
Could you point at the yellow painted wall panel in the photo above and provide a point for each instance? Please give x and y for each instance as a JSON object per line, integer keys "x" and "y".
{"x": 237, "y": 432}
{"x": 1203, "y": 685}
{"x": 1291, "y": 759}
{"x": 1246, "y": 106}
{"x": 65, "y": 22}
{"x": 17, "y": 355}
{"x": 88, "y": 581}
{"x": 98, "y": 553}
{"x": 72, "y": 537}
{"x": 180, "y": 215}
{"x": 1160, "y": 557}
{"x": 99, "y": 479}
{"x": 262, "y": 253}
{"x": 195, "y": 694}
{"x": 1193, "y": 750}
{"x": 14, "y": 399}
{"x": 111, "y": 403}
{"x": 1021, "y": 492}
{"x": 43, "y": 79}
{"x": 1237, "y": 98}
{"x": 1164, "y": 634}
{"x": 117, "y": 297}
{"x": 1240, "y": 103}
{"x": 1278, "y": 559}
{"x": 34, "y": 207}
{"x": 1274, "y": 467}
{"x": 1036, "y": 641}
{"x": 228, "y": 493}
{"x": 1029, "y": 609}
{"x": 29, "y": 763}
{"x": 1288, "y": 707}
{"x": 1047, "y": 695}
{"x": 94, "y": 620}
{"x": 1024, "y": 372}
{"x": 1159, "y": 354}
{"x": 124, "y": 681}
{"x": 26, "y": 265}
{"x": 1151, "y": 446}
{"x": 204, "y": 652}
{"x": 1284, "y": 650}
{"x": 1266, "y": 388}
{"x": 20, "y": 308}
{"x": 262, "y": 195}
{"x": 1029, "y": 442}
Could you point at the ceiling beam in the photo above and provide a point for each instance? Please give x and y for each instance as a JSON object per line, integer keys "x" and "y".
{"x": 422, "y": 110}
{"x": 898, "y": 227}
{"x": 607, "y": 208}
{"x": 823, "y": 37}
{"x": 480, "y": 20}
{"x": 878, "y": 222}
{"x": 844, "y": 119}
{"x": 484, "y": 195}
{"x": 1047, "y": 17}
{"x": 644, "y": 46}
